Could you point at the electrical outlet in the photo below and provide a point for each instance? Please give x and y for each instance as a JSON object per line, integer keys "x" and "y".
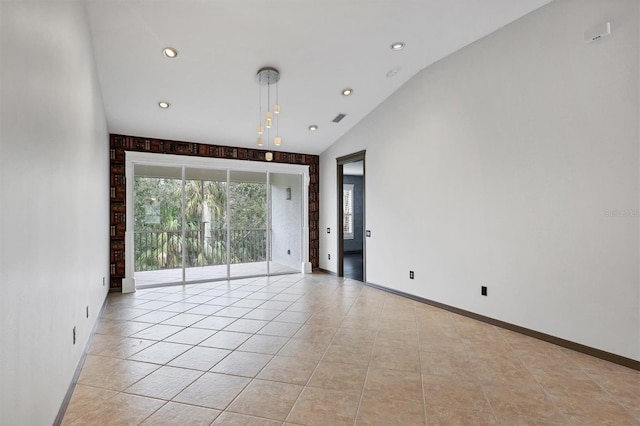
{"x": 328, "y": 230}
{"x": 329, "y": 256}
{"x": 410, "y": 275}
{"x": 87, "y": 311}
{"x": 368, "y": 233}
{"x": 74, "y": 335}
{"x": 483, "y": 290}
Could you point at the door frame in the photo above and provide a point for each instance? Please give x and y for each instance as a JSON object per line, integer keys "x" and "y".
{"x": 133, "y": 157}
{"x": 341, "y": 161}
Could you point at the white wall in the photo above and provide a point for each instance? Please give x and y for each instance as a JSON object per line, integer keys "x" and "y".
{"x": 286, "y": 220}
{"x": 54, "y": 215}
{"x": 500, "y": 165}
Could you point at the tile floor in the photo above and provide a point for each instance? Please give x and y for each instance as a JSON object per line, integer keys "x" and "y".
{"x": 204, "y": 273}
{"x": 319, "y": 350}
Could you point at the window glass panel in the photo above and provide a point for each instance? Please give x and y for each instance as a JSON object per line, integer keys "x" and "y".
{"x": 157, "y": 225}
{"x": 205, "y": 224}
{"x": 248, "y": 223}
{"x": 347, "y": 209}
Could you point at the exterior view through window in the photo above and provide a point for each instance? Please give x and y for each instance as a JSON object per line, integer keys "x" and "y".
{"x": 199, "y": 224}
{"x": 347, "y": 207}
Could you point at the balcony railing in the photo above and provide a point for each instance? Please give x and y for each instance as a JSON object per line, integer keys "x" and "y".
{"x": 162, "y": 249}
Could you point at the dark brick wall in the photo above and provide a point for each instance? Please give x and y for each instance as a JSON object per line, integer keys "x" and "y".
{"x": 120, "y": 143}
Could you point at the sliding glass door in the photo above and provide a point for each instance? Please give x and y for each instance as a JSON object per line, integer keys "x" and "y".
{"x": 193, "y": 223}
{"x": 205, "y": 207}
{"x": 158, "y": 239}
{"x": 248, "y": 217}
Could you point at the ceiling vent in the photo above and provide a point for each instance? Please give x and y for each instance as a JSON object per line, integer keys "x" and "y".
{"x": 339, "y": 118}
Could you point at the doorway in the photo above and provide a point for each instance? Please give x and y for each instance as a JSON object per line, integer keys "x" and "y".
{"x": 351, "y": 217}
{"x": 206, "y": 220}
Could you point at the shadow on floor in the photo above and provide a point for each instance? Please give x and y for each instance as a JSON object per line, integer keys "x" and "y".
{"x": 353, "y": 266}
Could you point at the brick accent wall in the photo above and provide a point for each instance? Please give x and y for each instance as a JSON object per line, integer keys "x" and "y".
{"x": 121, "y": 143}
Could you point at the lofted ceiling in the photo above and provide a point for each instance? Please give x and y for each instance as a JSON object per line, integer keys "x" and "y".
{"x": 319, "y": 46}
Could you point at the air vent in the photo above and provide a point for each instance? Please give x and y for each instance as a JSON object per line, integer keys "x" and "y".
{"x": 339, "y": 118}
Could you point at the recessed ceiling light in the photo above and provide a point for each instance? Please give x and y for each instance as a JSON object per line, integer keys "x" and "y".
{"x": 164, "y": 105}
{"x": 313, "y": 128}
{"x": 398, "y": 45}
{"x": 347, "y": 92}
{"x": 170, "y": 52}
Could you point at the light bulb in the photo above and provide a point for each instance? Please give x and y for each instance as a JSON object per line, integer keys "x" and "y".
{"x": 277, "y": 141}
{"x": 170, "y": 52}
{"x": 276, "y": 109}
{"x": 260, "y": 129}
{"x": 268, "y": 123}
{"x": 268, "y": 156}
{"x": 268, "y": 115}
{"x": 260, "y": 141}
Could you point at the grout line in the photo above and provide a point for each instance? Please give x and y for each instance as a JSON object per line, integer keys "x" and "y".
{"x": 316, "y": 367}
{"x": 366, "y": 377}
{"x": 544, "y": 390}
{"x": 613, "y": 397}
{"x": 314, "y": 296}
{"x": 424, "y": 394}
{"x": 253, "y": 379}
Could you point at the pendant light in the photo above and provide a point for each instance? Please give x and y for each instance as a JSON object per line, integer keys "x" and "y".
{"x": 268, "y": 78}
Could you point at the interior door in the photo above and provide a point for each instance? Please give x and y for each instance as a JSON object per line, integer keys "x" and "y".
{"x": 351, "y": 216}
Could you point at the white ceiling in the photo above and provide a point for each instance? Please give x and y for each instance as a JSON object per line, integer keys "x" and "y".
{"x": 319, "y": 46}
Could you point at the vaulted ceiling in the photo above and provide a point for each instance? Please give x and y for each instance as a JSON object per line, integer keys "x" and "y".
{"x": 319, "y": 46}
